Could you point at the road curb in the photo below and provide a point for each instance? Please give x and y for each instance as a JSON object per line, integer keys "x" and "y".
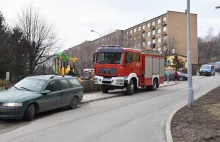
{"x": 169, "y": 137}
{"x": 171, "y": 85}
{"x": 104, "y": 98}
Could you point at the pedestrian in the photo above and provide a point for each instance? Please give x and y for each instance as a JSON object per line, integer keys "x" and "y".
{"x": 168, "y": 77}
{"x": 176, "y": 76}
{"x": 71, "y": 73}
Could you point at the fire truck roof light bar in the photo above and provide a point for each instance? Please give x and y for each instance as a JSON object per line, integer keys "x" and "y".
{"x": 111, "y": 46}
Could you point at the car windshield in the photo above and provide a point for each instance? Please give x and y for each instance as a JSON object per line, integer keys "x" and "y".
{"x": 217, "y": 64}
{"x": 31, "y": 84}
{"x": 205, "y": 67}
{"x": 109, "y": 58}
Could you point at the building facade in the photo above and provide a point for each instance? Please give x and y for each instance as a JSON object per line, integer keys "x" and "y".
{"x": 163, "y": 33}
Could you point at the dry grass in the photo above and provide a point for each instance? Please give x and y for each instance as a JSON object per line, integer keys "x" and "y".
{"x": 215, "y": 110}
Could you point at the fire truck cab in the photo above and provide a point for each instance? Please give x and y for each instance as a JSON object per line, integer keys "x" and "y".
{"x": 118, "y": 68}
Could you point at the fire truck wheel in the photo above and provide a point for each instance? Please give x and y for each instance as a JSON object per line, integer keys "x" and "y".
{"x": 154, "y": 86}
{"x": 130, "y": 88}
{"x": 104, "y": 90}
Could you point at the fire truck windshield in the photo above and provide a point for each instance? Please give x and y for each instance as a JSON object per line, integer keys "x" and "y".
{"x": 109, "y": 58}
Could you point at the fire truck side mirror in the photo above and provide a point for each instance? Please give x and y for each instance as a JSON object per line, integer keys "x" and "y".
{"x": 93, "y": 57}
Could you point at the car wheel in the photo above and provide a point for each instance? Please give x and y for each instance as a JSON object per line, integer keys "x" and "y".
{"x": 30, "y": 112}
{"x": 130, "y": 88}
{"x": 154, "y": 86}
{"x": 74, "y": 102}
{"x": 213, "y": 73}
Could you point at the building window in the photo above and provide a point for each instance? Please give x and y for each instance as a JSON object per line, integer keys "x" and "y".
{"x": 154, "y": 41}
{"x": 143, "y": 27}
{"x": 164, "y": 29}
{"x": 158, "y": 21}
{"x": 153, "y": 23}
{"x": 143, "y": 44}
{"x": 159, "y": 48}
{"x": 164, "y": 19}
{"x": 148, "y": 25}
{"x": 134, "y": 30}
{"x": 164, "y": 38}
{"x": 138, "y": 45}
{"x": 143, "y": 35}
{"x": 134, "y": 38}
{"x": 159, "y": 40}
{"x": 153, "y": 32}
{"x": 148, "y": 34}
{"x": 131, "y": 31}
{"x": 148, "y": 42}
{"x": 139, "y": 28}
{"x": 127, "y": 32}
{"x": 158, "y": 31}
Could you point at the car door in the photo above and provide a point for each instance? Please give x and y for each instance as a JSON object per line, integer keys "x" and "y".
{"x": 67, "y": 92}
{"x": 129, "y": 62}
{"x": 213, "y": 70}
{"x": 137, "y": 64}
{"x": 51, "y": 100}
{"x": 77, "y": 88}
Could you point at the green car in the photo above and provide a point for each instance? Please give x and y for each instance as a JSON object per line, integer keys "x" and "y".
{"x": 38, "y": 94}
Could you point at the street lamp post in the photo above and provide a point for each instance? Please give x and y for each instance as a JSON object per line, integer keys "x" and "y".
{"x": 98, "y": 34}
{"x": 189, "y": 58}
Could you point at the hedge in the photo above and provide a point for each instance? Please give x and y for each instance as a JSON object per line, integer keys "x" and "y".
{"x": 89, "y": 86}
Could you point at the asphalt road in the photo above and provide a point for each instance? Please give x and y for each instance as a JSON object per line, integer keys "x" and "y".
{"x": 137, "y": 118}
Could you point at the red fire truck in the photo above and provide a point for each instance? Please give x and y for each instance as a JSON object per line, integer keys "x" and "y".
{"x": 118, "y": 68}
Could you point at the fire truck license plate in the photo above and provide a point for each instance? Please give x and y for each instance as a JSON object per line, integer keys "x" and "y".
{"x": 106, "y": 79}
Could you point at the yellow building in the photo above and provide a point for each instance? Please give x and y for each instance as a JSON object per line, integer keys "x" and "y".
{"x": 169, "y": 62}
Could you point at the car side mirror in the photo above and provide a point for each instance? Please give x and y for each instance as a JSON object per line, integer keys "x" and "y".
{"x": 45, "y": 92}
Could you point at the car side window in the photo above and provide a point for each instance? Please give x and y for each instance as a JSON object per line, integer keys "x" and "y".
{"x": 129, "y": 58}
{"x": 74, "y": 82}
{"x": 52, "y": 86}
{"x": 137, "y": 57}
{"x": 64, "y": 84}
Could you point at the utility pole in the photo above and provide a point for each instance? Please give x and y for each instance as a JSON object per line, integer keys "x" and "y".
{"x": 189, "y": 58}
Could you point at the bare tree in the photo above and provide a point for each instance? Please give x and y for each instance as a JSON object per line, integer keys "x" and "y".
{"x": 168, "y": 45}
{"x": 209, "y": 44}
{"x": 40, "y": 35}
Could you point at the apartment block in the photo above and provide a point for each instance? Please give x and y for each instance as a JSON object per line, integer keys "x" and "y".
{"x": 163, "y": 33}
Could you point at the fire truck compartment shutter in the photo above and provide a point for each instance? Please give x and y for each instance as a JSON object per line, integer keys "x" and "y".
{"x": 148, "y": 67}
{"x": 162, "y": 67}
{"x": 156, "y": 66}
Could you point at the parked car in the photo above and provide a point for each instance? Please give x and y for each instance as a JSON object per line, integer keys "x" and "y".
{"x": 217, "y": 66}
{"x": 38, "y": 94}
{"x": 207, "y": 70}
{"x": 182, "y": 76}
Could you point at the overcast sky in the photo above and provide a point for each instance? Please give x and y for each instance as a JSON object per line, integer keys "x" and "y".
{"x": 73, "y": 19}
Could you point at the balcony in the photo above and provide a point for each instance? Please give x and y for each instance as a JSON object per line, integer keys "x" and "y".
{"x": 152, "y": 27}
{"x": 153, "y": 45}
{"x": 152, "y": 36}
{"x": 163, "y": 24}
{"x": 164, "y": 33}
{"x": 163, "y": 43}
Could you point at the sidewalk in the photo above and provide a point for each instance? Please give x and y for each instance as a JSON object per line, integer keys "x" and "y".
{"x": 95, "y": 96}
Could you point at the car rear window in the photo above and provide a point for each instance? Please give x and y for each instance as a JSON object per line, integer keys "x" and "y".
{"x": 64, "y": 84}
{"x": 74, "y": 82}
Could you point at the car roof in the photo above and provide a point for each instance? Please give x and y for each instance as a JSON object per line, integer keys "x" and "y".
{"x": 207, "y": 65}
{"x": 49, "y": 77}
